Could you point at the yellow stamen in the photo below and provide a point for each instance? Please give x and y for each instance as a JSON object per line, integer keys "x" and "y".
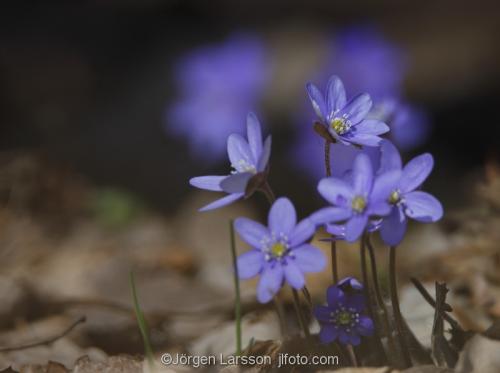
{"x": 278, "y": 249}
{"x": 358, "y": 204}
{"x": 339, "y": 125}
{"x": 395, "y": 197}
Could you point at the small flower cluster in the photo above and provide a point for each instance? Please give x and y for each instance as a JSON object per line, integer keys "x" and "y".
{"x": 364, "y": 200}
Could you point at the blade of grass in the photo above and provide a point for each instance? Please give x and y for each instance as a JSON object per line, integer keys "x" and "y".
{"x": 237, "y": 300}
{"x": 141, "y": 321}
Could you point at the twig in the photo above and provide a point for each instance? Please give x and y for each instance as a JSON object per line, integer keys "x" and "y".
{"x": 47, "y": 341}
{"x": 425, "y": 294}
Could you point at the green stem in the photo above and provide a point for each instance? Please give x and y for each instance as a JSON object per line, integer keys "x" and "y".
{"x": 300, "y": 317}
{"x": 237, "y": 301}
{"x": 395, "y": 305}
{"x": 378, "y": 293}
{"x": 141, "y": 321}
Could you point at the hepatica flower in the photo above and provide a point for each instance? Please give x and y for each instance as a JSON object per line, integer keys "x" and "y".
{"x": 248, "y": 159}
{"x": 346, "y": 121}
{"x": 343, "y": 317}
{"x": 358, "y": 201}
{"x": 279, "y": 251}
{"x": 405, "y": 200}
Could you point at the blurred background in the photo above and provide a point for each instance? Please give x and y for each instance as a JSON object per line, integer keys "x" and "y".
{"x": 107, "y": 108}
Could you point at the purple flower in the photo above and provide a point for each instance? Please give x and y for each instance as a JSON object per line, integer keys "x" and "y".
{"x": 358, "y": 201}
{"x": 368, "y": 62}
{"x": 342, "y": 318}
{"x": 216, "y": 85}
{"x": 280, "y": 251}
{"x": 248, "y": 158}
{"x": 405, "y": 201}
{"x": 346, "y": 121}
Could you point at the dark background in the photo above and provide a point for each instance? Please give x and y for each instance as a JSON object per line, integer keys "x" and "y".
{"x": 87, "y": 83}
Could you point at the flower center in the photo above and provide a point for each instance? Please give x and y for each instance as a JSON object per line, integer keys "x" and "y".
{"x": 395, "y": 197}
{"x": 358, "y": 204}
{"x": 278, "y": 249}
{"x": 339, "y": 125}
{"x": 343, "y": 318}
{"x": 244, "y": 166}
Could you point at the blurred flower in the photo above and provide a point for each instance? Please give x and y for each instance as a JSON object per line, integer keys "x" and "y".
{"x": 346, "y": 121}
{"x": 368, "y": 62}
{"x": 279, "y": 250}
{"x": 405, "y": 201}
{"x": 217, "y": 86}
{"x": 342, "y": 318}
{"x": 248, "y": 159}
{"x": 356, "y": 201}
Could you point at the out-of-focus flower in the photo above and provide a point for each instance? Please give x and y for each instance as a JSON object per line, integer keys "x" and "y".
{"x": 406, "y": 202}
{"x": 346, "y": 121}
{"x": 280, "y": 251}
{"x": 357, "y": 201}
{"x": 248, "y": 159}
{"x": 217, "y": 85}
{"x": 368, "y": 62}
{"x": 342, "y": 318}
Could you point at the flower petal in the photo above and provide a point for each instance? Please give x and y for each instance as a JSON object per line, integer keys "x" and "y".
{"x": 230, "y": 198}
{"x": 250, "y": 264}
{"x": 328, "y": 333}
{"x": 362, "y": 175}
{"x": 282, "y": 217}
{"x": 338, "y": 230}
{"x": 264, "y": 157}
{"x": 356, "y": 301}
{"x": 254, "y": 135}
{"x": 350, "y": 283}
{"x": 207, "y": 182}
{"x": 251, "y": 232}
{"x": 335, "y": 95}
{"x": 365, "y": 326}
{"x": 322, "y": 313}
{"x": 330, "y": 215}
{"x": 344, "y": 338}
{"x": 355, "y": 227}
{"x": 423, "y": 207}
{"x": 371, "y": 127}
{"x": 389, "y": 158}
{"x": 309, "y": 258}
{"x": 334, "y": 296}
{"x": 236, "y": 183}
{"x": 270, "y": 283}
{"x": 336, "y": 191}
{"x": 301, "y": 232}
{"x": 357, "y": 108}
{"x": 393, "y": 227}
{"x": 355, "y": 340}
{"x": 385, "y": 184}
{"x": 317, "y": 100}
{"x": 294, "y": 275}
{"x": 362, "y": 139}
{"x": 238, "y": 150}
{"x": 415, "y": 172}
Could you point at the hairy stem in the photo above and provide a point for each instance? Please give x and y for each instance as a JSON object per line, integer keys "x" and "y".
{"x": 237, "y": 300}
{"x": 300, "y": 316}
{"x": 378, "y": 293}
{"x": 395, "y": 305}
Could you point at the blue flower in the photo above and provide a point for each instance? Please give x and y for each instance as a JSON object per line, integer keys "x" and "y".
{"x": 216, "y": 85}
{"x": 346, "y": 121}
{"x": 343, "y": 318}
{"x": 358, "y": 201}
{"x": 279, "y": 251}
{"x": 405, "y": 201}
{"x": 248, "y": 158}
{"x": 368, "y": 62}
